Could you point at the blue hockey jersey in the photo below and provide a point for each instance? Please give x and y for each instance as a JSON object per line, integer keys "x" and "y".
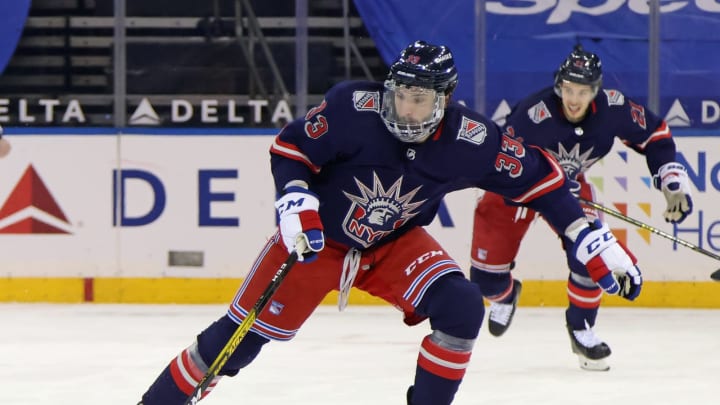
{"x": 539, "y": 120}
{"x": 373, "y": 187}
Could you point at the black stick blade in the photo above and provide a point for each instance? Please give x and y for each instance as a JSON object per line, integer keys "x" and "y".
{"x": 715, "y": 275}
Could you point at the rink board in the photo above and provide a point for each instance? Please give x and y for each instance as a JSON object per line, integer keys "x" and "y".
{"x": 99, "y": 217}
{"x": 550, "y": 293}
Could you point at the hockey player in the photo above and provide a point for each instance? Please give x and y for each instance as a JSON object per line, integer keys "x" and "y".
{"x": 575, "y": 120}
{"x": 359, "y": 176}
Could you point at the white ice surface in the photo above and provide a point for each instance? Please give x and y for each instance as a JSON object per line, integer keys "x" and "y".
{"x": 108, "y": 354}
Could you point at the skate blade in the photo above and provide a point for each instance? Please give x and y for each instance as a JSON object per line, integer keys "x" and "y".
{"x": 593, "y": 365}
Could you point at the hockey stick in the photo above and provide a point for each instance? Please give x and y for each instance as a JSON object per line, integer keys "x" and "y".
{"x": 244, "y": 326}
{"x": 715, "y": 275}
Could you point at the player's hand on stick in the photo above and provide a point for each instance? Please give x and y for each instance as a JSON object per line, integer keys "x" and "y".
{"x": 673, "y": 180}
{"x": 609, "y": 263}
{"x": 299, "y": 219}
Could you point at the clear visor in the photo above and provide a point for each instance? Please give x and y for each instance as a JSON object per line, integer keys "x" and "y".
{"x": 411, "y": 113}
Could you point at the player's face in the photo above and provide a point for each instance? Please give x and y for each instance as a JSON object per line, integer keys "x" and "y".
{"x": 576, "y": 99}
{"x": 411, "y": 113}
{"x": 414, "y": 105}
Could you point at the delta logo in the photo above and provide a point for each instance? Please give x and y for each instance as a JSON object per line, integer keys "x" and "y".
{"x": 31, "y": 209}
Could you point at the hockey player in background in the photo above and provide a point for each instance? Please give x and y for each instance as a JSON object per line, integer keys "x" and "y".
{"x": 575, "y": 120}
{"x": 359, "y": 177}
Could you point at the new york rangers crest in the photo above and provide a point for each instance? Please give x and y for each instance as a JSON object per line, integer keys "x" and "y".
{"x": 472, "y": 131}
{"x": 377, "y": 212}
{"x": 367, "y": 100}
{"x": 573, "y": 161}
{"x": 614, "y": 97}
{"x": 539, "y": 112}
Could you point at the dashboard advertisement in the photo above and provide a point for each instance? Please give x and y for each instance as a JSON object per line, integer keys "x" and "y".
{"x": 157, "y": 205}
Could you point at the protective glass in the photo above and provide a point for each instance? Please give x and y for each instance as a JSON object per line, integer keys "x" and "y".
{"x": 411, "y": 113}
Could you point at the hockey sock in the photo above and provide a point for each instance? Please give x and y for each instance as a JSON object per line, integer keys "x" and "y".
{"x": 494, "y": 286}
{"x": 584, "y": 304}
{"x": 179, "y": 379}
{"x": 214, "y": 338}
{"x": 438, "y": 374}
{"x": 454, "y": 306}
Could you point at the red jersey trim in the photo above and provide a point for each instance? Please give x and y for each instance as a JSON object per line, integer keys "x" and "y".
{"x": 552, "y": 181}
{"x": 292, "y": 152}
{"x": 662, "y": 132}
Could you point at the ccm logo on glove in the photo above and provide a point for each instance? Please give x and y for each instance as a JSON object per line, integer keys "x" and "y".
{"x": 600, "y": 242}
{"x": 608, "y": 262}
{"x": 299, "y": 219}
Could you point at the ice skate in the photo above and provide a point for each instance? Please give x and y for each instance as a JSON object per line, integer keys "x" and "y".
{"x": 501, "y": 315}
{"x": 591, "y": 351}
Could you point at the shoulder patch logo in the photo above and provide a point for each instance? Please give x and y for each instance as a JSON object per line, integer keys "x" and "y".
{"x": 539, "y": 112}
{"x": 614, "y": 97}
{"x": 472, "y": 131}
{"x": 367, "y": 101}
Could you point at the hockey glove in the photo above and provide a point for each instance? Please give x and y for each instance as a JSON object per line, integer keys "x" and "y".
{"x": 608, "y": 262}
{"x": 673, "y": 180}
{"x": 299, "y": 218}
